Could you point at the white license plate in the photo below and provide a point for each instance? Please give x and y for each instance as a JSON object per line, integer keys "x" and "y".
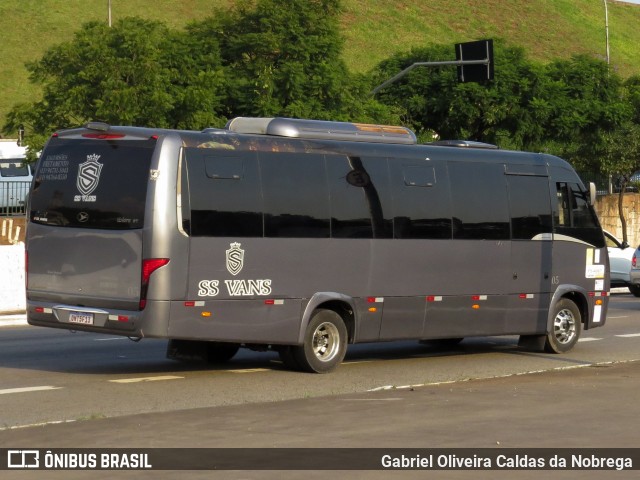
{"x": 81, "y": 317}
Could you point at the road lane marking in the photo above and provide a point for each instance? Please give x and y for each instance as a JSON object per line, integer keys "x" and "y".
{"x": 146, "y": 379}
{"x": 589, "y": 339}
{"x": 249, "y": 370}
{"x": 28, "y": 389}
{"x": 628, "y": 335}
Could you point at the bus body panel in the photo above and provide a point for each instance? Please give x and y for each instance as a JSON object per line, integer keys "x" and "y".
{"x": 425, "y": 270}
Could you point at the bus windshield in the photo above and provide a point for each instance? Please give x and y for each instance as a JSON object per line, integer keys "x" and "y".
{"x": 80, "y": 183}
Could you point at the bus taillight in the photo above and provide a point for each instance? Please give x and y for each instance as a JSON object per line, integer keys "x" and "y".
{"x": 149, "y": 265}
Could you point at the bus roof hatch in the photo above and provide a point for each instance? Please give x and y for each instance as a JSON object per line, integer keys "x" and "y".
{"x": 322, "y": 130}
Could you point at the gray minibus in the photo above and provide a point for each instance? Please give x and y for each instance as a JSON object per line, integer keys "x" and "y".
{"x": 304, "y": 236}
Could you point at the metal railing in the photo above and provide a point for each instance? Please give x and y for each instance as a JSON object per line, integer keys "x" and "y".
{"x": 13, "y": 197}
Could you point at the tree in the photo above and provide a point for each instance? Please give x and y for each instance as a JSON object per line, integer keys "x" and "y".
{"x": 138, "y": 73}
{"x": 285, "y": 59}
{"x": 586, "y": 105}
{"x": 503, "y": 111}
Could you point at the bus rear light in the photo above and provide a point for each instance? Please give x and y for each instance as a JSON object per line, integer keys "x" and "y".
{"x": 149, "y": 265}
{"x": 39, "y": 309}
{"x": 634, "y": 261}
{"x": 102, "y": 136}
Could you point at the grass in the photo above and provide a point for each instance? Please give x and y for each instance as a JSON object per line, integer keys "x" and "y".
{"x": 373, "y": 29}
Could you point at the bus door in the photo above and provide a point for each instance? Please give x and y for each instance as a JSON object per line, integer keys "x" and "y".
{"x": 531, "y": 247}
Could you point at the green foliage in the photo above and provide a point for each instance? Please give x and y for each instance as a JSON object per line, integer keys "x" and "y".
{"x": 133, "y": 73}
{"x": 437, "y": 105}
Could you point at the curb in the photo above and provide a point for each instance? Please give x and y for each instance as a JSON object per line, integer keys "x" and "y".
{"x": 13, "y": 320}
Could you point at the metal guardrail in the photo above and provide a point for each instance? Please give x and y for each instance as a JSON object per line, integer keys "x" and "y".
{"x": 13, "y": 197}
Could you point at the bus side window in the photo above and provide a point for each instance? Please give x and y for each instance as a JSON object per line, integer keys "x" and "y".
{"x": 574, "y": 215}
{"x": 530, "y": 206}
{"x": 224, "y": 193}
{"x": 360, "y": 197}
{"x": 422, "y": 204}
{"x": 296, "y": 197}
{"x": 480, "y": 202}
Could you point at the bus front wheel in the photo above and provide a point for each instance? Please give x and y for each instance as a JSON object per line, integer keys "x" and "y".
{"x": 566, "y": 328}
{"x": 325, "y": 343}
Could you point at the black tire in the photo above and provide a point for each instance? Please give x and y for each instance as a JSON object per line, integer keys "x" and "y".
{"x": 566, "y": 328}
{"x": 288, "y": 358}
{"x": 635, "y": 290}
{"x": 220, "y": 352}
{"x": 325, "y": 343}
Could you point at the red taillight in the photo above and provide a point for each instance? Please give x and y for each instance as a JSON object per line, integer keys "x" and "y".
{"x": 633, "y": 261}
{"x": 149, "y": 265}
{"x": 103, "y": 136}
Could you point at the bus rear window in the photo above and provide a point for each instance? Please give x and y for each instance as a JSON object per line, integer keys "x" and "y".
{"x": 92, "y": 183}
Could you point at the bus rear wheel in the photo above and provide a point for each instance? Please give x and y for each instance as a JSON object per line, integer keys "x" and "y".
{"x": 566, "y": 328}
{"x": 325, "y": 343}
{"x": 220, "y": 352}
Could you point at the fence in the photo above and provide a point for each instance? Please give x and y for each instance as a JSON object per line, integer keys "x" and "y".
{"x": 13, "y": 197}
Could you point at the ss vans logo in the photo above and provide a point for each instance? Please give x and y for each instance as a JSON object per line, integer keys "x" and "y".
{"x": 235, "y": 288}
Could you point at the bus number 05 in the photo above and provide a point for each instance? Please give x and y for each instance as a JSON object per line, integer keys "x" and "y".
{"x": 555, "y": 280}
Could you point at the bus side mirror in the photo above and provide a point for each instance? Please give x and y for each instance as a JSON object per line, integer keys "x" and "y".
{"x": 592, "y": 193}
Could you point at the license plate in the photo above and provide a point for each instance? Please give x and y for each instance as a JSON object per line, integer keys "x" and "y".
{"x": 81, "y": 317}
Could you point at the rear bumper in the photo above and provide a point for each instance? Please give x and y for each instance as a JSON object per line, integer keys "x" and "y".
{"x": 130, "y": 323}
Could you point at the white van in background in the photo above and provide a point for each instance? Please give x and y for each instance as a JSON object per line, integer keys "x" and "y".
{"x": 15, "y": 178}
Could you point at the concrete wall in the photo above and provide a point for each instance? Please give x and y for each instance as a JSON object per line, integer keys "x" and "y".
{"x": 12, "y": 294}
{"x": 607, "y": 209}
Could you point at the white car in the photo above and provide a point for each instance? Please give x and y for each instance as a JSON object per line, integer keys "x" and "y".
{"x": 634, "y": 282}
{"x": 621, "y": 258}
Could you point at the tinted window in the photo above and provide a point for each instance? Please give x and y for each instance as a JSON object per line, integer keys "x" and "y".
{"x": 225, "y": 196}
{"x": 574, "y": 217}
{"x": 422, "y": 204}
{"x": 479, "y": 198}
{"x": 530, "y": 206}
{"x": 13, "y": 169}
{"x": 92, "y": 183}
{"x": 360, "y": 197}
{"x": 296, "y": 197}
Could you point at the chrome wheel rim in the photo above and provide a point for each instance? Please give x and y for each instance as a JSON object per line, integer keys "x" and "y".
{"x": 326, "y": 342}
{"x": 564, "y": 326}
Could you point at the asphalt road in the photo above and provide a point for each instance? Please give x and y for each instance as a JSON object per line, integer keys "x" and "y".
{"x": 92, "y": 390}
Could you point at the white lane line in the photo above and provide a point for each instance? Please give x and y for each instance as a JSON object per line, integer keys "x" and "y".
{"x": 589, "y": 339}
{"x": 146, "y": 379}
{"x": 249, "y": 370}
{"x": 629, "y": 335}
{"x": 110, "y": 339}
{"x": 42, "y": 424}
{"x": 28, "y": 389}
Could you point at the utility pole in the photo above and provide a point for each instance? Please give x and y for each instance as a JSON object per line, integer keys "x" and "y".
{"x": 109, "y": 7}
{"x": 606, "y": 29}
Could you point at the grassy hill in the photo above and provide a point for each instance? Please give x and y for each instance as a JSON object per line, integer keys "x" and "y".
{"x": 373, "y": 29}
